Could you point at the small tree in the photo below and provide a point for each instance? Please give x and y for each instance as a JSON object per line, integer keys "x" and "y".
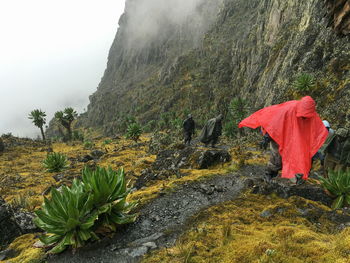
{"x": 38, "y": 118}
{"x": 65, "y": 118}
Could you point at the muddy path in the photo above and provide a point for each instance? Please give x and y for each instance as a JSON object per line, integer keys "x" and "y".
{"x": 165, "y": 218}
{"x": 162, "y": 220}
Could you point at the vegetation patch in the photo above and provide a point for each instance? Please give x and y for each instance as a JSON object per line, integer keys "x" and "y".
{"x": 257, "y": 228}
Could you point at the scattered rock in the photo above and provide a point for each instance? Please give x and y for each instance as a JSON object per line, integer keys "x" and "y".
{"x": 8, "y": 253}
{"x": 150, "y": 245}
{"x": 86, "y": 158}
{"x": 96, "y": 154}
{"x": 212, "y": 157}
{"x": 58, "y": 177}
{"x": 25, "y": 221}
{"x": 150, "y": 238}
{"x": 285, "y": 188}
{"x": 266, "y": 213}
{"x": 138, "y": 252}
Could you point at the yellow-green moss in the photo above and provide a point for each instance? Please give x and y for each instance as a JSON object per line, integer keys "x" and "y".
{"x": 236, "y": 232}
{"x": 23, "y": 245}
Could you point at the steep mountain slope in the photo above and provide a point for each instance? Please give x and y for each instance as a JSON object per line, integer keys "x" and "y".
{"x": 199, "y": 56}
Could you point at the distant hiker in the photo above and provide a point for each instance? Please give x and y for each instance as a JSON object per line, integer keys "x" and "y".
{"x": 211, "y": 131}
{"x": 337, "y": 151}
{"x": 321, "y": 152}
{"x": 189, "y": 128}
{"x": 296, "y": 131}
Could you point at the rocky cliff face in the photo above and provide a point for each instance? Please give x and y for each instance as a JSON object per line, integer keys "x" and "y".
{"x": 339, "y": 15}
{"x": 199, "y": 56}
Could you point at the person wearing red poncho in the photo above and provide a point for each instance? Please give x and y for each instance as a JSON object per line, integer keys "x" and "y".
{"x": 297, "y": 130}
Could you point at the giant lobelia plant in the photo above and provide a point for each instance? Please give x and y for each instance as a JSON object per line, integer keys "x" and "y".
{"x": 338, "y": 185}
{"x": 73, "y": 215}
{"x": 109, "y": 192}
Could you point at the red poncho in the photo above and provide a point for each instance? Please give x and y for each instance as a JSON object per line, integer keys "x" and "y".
{"x": 296, "y": 128}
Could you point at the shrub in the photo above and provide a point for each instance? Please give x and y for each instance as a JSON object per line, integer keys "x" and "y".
{"x": 78, "y": 136}
{"x": 237, "y": 111}
{"x": 55, "y": 162}
{"x": 338, "y": 184}
{"x": 125, "y": 122}
{"x": 73, "y": 215}
{"x": 134, "y": 131}
{"x": 150, "y": 126}
{"x": 88, "y": 144}
{"x": 230, "y": 129}
{"x": 304, "y": 82}
{"x": 107, "y": 141}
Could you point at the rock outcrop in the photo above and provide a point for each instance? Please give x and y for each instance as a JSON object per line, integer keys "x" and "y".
{"x": 217, "y": 50}
{"x": 339, "y": 15}
{"x": 9, "y": 229}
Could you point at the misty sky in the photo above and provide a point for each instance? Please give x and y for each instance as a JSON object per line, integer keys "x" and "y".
{"x": 52, "y": 55}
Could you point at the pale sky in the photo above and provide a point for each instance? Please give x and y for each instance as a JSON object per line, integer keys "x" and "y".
{"x": 52, "y": 55}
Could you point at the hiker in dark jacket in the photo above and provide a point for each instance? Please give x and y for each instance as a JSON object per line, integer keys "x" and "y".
{"x": 211, "y": 131}
{"x": 189, "y": 128}
{"x": 337, "y": 152}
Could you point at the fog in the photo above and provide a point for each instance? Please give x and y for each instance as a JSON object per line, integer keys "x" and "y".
{"x": 52, "y": 55}
{"x": 150, "y": 20}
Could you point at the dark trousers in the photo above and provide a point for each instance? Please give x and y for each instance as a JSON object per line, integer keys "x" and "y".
{"x": 188, "y": 138}
{"x": 275, "y": 162}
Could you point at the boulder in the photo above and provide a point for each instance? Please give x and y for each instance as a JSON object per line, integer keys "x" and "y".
{"x": 190, "y": 157}
{"x": 285, "y": 188}
{"x": 9, "y": 229}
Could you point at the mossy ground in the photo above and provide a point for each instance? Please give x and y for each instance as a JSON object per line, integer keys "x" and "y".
{"x": 231, "y": 232}
{"x": 23, "y": 180}
{"x": 236, "y": 231}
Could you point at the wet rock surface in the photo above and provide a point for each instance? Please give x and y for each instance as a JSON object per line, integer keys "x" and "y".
{"x": 167, "y": 216}
{"x": 285, "y": 188}
{"x": 9, "y": 229}
{"x": 25, "y": 222}
{"x": 191, "y": 157}
{"x": 169, "y": 162}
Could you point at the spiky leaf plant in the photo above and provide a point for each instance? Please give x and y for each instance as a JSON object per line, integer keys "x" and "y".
{"x": 338, "y": 184}
{"x": 55, "y": 162}
{"x": 67, "y": 218}
{"x": 134, "y": 131}
{"x": 304, "y": 82}
{"x": 109, "y": 192}
{"x": 74, "y": 214}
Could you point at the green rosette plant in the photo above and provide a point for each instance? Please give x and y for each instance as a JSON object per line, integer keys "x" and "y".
{"x": 109, "y": 191}
{"x": 75, "y": 214}
{"x": 338, "y": 185}
{"x": 134, "y": 132}
{"x": 55, "y": 162}
{"x": 67, "y": 218}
